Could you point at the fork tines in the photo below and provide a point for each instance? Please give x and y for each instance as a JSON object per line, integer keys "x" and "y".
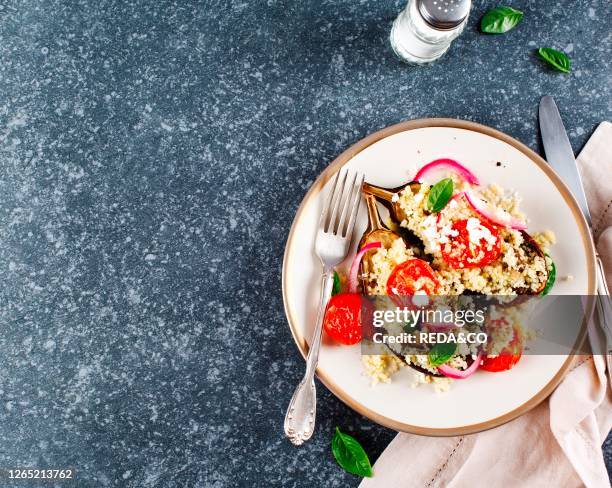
{"x": 340, "y": 211}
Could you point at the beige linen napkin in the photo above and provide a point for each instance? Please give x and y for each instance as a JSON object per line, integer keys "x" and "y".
{"x": 558, "y": 443}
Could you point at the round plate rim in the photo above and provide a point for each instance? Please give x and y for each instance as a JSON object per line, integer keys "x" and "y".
{"x": 343, "y": 159}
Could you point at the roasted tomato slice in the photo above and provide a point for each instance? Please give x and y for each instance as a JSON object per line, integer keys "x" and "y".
{"x": 507, "y": 358}
{"x": 412, "y": 276}
{"x": 472, "y": 243}
{"x": 343, "y": 318}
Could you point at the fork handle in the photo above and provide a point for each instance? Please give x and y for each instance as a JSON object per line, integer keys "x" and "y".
{"x": 327, "y": 283}
{"x": 301, "y": 413}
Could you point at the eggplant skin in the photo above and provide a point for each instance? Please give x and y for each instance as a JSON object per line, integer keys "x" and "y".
{"x": 532, "y": 247}
{"x": 386, "y": 239}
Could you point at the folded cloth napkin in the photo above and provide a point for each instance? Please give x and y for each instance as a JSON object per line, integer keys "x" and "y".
{"x": 558, "y": 443}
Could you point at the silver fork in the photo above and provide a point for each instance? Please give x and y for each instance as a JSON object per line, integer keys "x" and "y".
{"x": 331, "y": 245}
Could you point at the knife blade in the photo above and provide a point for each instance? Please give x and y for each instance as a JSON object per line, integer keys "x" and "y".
{"x": 559, "y": 152}
{"x": 560, "y": 156}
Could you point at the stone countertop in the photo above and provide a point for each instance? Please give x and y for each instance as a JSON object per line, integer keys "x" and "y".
{"x": 153, "y": 155}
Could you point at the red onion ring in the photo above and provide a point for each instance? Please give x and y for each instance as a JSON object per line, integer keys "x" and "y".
{"x": 481, "y": 208}
{"x": 355, "y": 266}
{"x": 460, "y": 374}
{"x": 449, "y": 165}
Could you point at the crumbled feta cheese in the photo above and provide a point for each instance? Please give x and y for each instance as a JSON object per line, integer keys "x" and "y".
{"x": 478, "y": 232}
{"x": 430, "y": 235}
{"x": 446, "y": 232}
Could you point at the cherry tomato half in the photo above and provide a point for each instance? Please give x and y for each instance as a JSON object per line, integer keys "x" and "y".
{"x": 507, "y": 358}
{"x": 412, "y": 276}
{"x": 343, "y": 318}
{"x": 461, "y": 252}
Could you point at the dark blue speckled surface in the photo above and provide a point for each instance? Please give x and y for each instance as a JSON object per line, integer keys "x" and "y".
{"x": 152, "y": 156}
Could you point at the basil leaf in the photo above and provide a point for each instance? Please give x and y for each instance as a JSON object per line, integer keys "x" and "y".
{"x": 556, "y": 59}
{"x": 500, "y": 20}
{"x": 337, "y": 288}
{"x": 442, "y": 352}
{"x": 350, "y": 455}
{"x": 439, "y": 195}
{"x": 552, "y": 276}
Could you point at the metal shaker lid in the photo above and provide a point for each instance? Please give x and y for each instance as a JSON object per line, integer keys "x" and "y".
{"x": 444, "y": 14}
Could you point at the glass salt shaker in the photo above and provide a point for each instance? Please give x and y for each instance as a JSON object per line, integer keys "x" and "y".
{"x": 424, "y": 30}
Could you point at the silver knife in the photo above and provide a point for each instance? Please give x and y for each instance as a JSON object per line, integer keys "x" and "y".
{"x": 561, "y": 157}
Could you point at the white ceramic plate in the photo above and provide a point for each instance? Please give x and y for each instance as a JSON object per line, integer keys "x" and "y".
{"x": 389, "y": 158}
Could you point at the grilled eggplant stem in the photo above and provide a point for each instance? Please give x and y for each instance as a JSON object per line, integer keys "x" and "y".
{"x": 386, "y": 196}
{"x": 375, "y": 232}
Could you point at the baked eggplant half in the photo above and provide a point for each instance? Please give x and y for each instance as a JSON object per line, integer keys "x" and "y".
{"x": 529, "y": 267}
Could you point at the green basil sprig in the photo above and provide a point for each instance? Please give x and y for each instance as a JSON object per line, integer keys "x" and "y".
{"x": 440, "y": 194}
{"x": 556, "y": 59}
{"x": 337, "y": 287}
{"x": 350, "y": 455}
{"x": 552, "y": 276}
{"x": 500, "y": 20}
{"x": 442, "y": 352}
